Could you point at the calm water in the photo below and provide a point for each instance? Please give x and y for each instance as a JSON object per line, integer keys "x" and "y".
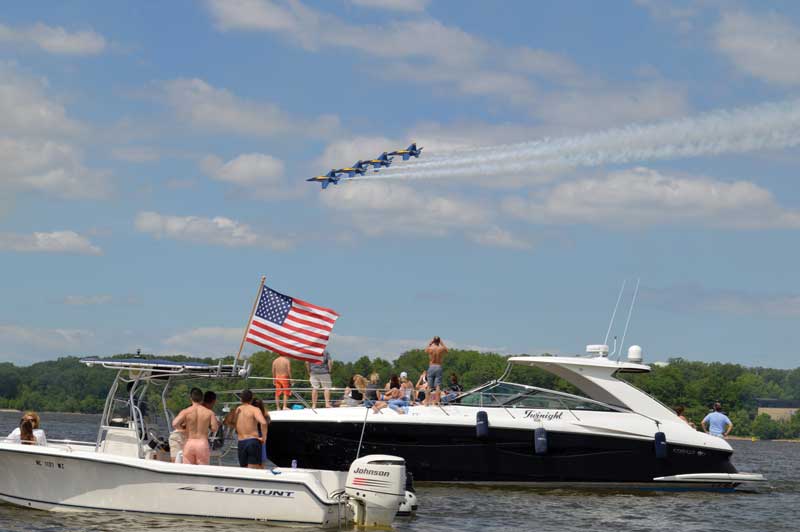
{"x": 776, "y": 507}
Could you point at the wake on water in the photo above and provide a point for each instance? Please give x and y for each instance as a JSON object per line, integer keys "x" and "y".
{"x": 762, "y": 127}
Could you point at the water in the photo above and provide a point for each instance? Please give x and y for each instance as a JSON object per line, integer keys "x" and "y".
{"x": 444, "y": 508}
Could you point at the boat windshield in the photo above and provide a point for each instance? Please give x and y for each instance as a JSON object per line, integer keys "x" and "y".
{"x": 510, "y": 395}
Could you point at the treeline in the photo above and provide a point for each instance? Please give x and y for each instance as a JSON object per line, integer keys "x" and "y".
{"x": 65, "y": 385}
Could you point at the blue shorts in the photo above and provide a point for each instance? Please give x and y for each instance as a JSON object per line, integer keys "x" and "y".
{"x": 434, "y": 376}
{"x": 249, "y": 452}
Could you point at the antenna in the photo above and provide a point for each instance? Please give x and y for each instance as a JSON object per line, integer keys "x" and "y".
{"x": 614, "y": 314}
{"x": 628, "y": 321}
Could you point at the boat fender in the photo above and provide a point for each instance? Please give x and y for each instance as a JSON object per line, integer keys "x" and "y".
{"x": 482, "y": 425}
{"x": 660, "y": 441}
{"x": 540, "y": 440}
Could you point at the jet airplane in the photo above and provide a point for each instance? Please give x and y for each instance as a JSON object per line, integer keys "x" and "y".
{"x": 382, "y": 160}
{"x": 360, "y": 168}
{"x": 411, "y": 151}
{"x": 327, "y": 179}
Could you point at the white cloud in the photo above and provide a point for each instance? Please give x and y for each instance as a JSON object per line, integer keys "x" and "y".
{"x": 603, "y": 106}
{"x": 394, "y": 5}
{"x": 347, "y": 151}
{"x": 765, "y": 46}
{"x": 500, "y": 238}
{"x": 216, "y": 231}
{"x": 55, "y": 40}
{"x": 255, "y": 174}
{"x": 26, "y": 110}
{"x": 84, "y": 301}
{"x": 23, "y": 344}
{"x": 424, "y": 50}
{"x": 204, "y": 341}
{"x": 35, "y": 142}
{"x": 642, "y": 196}
{"x": 49, "y": 166}
{"x": 389, "y": 208}
{"x": 55, "y": 242}
{"x": 136, "y": 154}
{"x": 681, "y": 14}
{"x": 215, "y": 109}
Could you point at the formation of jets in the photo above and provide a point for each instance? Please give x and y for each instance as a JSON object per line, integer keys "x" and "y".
{"x": 384, "y": 160}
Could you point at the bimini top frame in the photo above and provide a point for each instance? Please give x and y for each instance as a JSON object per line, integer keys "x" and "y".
{"x": 137, "y": 374}
{"x": 162, "y": 367}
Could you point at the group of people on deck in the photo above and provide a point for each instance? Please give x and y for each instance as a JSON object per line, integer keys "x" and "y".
{"x": 399, "y": 393}
{"x": 189, "y": 442}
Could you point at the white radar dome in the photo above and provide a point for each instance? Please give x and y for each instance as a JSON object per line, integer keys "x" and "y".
{"x": 635, "y": 354}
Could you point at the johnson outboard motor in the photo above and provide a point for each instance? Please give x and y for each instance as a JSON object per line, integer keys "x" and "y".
{"x": 409, "y": 505}
{"x": 376, "y": 489}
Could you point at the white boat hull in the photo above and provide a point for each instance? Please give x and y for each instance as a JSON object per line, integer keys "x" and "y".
{"x": 55, "y": 479}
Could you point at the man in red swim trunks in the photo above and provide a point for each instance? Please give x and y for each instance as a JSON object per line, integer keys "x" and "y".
{"x": 282, "y": 376}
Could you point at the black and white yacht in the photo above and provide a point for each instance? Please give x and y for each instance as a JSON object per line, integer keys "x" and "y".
{"x": 503, "y": 432}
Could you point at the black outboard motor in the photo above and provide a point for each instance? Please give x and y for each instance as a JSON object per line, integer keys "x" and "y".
{"x": 660, "y": 441}
{"x": 540, "y": 440}
{"x": 482, "y": 425}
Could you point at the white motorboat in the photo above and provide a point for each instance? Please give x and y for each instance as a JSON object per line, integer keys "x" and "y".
{"x": 613, "y": 435}
{"x": 126, "y": 468}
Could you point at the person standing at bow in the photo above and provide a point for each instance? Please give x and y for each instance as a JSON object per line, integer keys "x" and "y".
{"x": 319, "y": 373}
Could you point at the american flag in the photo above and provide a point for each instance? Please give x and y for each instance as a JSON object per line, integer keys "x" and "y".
{"x": 290, "y": 326}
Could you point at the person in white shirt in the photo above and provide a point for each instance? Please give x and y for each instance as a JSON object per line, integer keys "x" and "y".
{"x": 38, "y": 434}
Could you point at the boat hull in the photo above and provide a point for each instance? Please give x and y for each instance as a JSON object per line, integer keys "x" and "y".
{"x": 51, "y": 479}
{"x": 452, "y": 453}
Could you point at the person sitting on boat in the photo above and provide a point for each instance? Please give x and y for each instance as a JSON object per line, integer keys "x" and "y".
{"x": 392, "y": 397}
{"x": 282, "y": 378}
{"x": 422, "y": 386}
{"x": 716, "y": 423}
{"x": 36, "y": 437}
{"x": 454, "y": 389}
{"x": 407, "y": 388}
{"x": 371, "y": 393}
{"x": 354, "y": 392}
{"x": 436, "y": 351}
{"x": 248, "y": 420}
{"x": 198, "y": 420}
{"x": 258, "y": 403}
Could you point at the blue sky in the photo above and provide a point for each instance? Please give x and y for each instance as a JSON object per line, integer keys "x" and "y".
{"x": 154, "y": 156}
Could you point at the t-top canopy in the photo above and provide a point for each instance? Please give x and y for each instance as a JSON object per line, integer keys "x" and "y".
{"x": 170, "y": 367}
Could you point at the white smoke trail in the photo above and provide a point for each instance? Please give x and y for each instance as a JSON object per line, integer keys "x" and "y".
{"x": 762, "y": 127}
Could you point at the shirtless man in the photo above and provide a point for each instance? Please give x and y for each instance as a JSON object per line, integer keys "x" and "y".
{"x": 197, "y": 420}
{"x": 282, "y": 375}
{"x": 436, "y": 351}
{"x": 247, "y": 419}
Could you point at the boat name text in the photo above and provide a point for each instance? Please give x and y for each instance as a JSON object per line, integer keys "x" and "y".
{"x": 253, "y": 491}
{"x": 537, "y": 415}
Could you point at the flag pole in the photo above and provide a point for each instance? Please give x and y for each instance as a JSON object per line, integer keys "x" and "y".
{"x": 249, "y": 320}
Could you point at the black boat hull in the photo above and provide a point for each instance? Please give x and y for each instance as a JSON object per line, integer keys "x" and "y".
{"x": 447, "y": 453}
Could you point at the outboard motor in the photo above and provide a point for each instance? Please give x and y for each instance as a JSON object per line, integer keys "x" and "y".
{"x": 376, "y": 488}
{"x": 660, "y": 441}
{"x": 409, "y": 505}
{"x": 482, "y": 425}
{"x": 540, "y": 440}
